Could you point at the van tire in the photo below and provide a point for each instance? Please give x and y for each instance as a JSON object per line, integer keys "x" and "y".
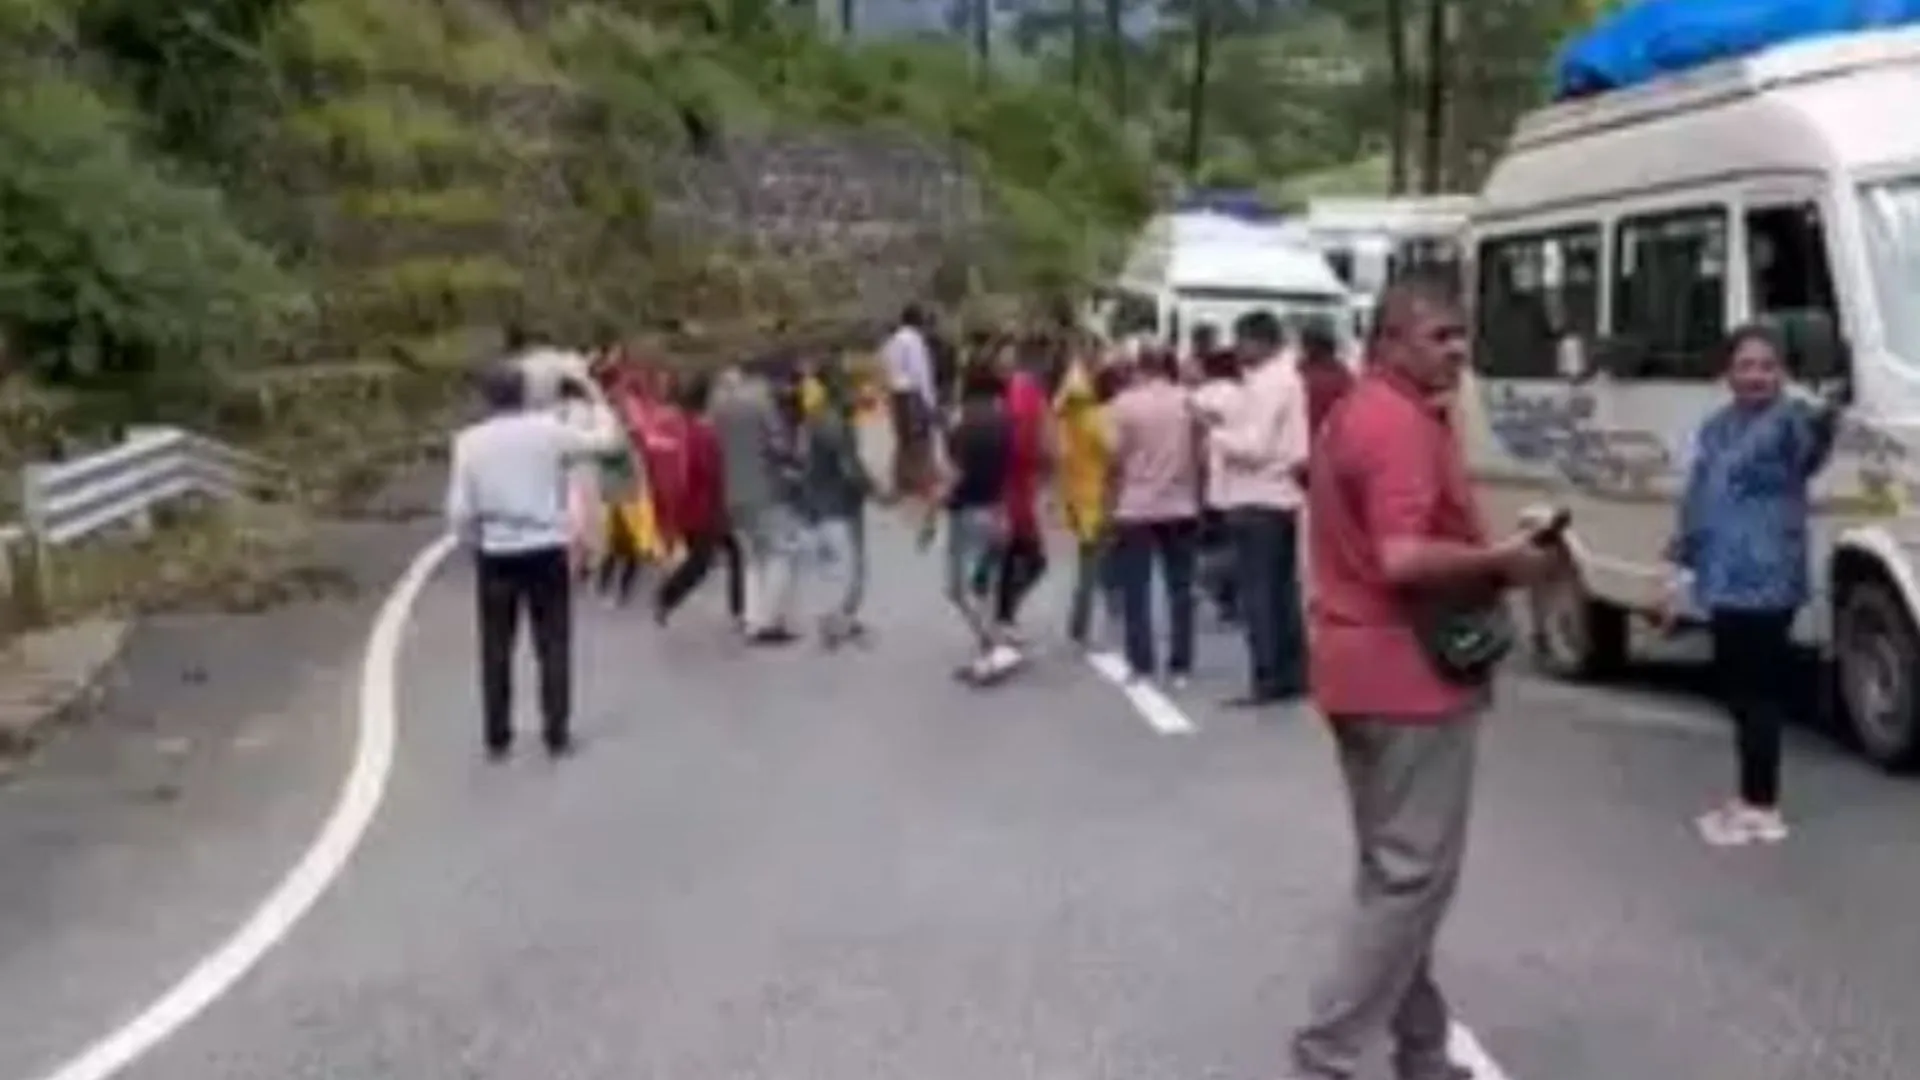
{"x": 1876, "y": 654}
{"x": 1576, "y": 636}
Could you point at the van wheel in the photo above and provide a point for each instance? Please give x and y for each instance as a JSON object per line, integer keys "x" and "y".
{"x": 1574, "y": 635}
{"x": 1875, "y": 653}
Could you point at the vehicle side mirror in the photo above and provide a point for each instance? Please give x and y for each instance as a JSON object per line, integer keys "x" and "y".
{"x": 1816, "y": 352}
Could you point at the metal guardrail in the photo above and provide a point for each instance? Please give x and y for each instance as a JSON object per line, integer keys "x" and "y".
{"x": 70, "y": 500}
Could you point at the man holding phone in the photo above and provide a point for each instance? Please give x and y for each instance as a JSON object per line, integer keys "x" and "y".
{"x": 1396, "y": 536}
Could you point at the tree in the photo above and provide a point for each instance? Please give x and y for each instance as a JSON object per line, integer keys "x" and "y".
{"x": 1203, "y": 31}
{"x": 1434, "y": 130}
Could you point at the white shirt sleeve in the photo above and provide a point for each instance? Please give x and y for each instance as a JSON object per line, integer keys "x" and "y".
{"x": 462, "y": 514}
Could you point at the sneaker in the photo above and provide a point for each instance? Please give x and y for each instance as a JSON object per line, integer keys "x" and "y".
{"x": 1764, "y": 826}
{"x": 1722, "y": 826}
{"x": 1737, "y": 824}
{"x": 1179, "y": 682}
{"x": 1001, "y": 659}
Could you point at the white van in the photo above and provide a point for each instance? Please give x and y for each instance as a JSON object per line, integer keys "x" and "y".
{"x": 1197, "y": 269}
{"x": 1614, "y": 246}
{"x": 1372, "y": 241}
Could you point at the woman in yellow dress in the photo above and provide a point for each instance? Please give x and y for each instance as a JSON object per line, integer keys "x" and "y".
{"x": 1085, "y": 455}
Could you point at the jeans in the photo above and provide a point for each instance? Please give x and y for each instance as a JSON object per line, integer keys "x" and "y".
{"x": 1215, "y": 565}
{"x": 1267, "y": 573}
{"x": 1753, "y": 656}
{"x": 1093, "y": 573}
{"x": 1023, "y": 562}
{"x": 845, "y": 538}
{"x": 970, "y": 546}
{"x": 770, "y": 540}
{"x": 1409, "y": 789}
{"x": 693, "y": 570}
{"x": 1137, "y": 546}
{"x": 538, "y": 584}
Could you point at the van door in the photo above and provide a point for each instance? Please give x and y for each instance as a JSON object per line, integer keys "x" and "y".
{"x": 1534, "y": 291}
{"x": 1789, "y": 272}
{"x": 1673, "y": 293}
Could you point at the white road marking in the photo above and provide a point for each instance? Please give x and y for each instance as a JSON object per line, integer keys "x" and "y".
{"x": 1165, "y": 717}
{"x": 270, "y": 923}
{"x": 1160, "y": 713}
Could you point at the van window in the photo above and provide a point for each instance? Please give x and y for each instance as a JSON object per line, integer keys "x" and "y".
{"x": 1670, "y": 292}
{"x": 1787, "y": 270}
{"x": 1134, "y": 314}
{"x": 1533, "y": 291}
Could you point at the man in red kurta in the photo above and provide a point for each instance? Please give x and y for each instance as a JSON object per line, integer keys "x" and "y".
{"x": 1024, "y": 554}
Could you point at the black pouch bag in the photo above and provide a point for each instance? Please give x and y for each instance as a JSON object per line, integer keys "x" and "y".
{"x": 1465, "y": 643}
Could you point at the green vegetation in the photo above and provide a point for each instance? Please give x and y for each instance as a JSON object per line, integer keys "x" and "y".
{"x": 203, "y": 200}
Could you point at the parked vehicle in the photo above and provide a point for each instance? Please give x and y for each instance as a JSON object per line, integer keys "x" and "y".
{"x": 1195, "y": 269}
{"x": 1615, "y": 244}
{"x": 1371, "y": 242}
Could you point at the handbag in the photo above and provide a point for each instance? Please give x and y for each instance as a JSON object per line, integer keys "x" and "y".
{"x": 1465, "y": 643}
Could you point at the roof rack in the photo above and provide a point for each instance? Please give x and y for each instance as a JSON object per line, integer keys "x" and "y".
{"x": 1814, "y": 59}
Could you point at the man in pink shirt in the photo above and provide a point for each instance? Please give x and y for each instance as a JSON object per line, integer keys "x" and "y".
{"x": 1394, "y": 525}
{"x": 1258, "y": 441}
{"x": 1156, "y": 510}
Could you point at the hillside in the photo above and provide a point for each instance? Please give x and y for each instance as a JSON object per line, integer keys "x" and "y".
{"x": 226, "y": 211}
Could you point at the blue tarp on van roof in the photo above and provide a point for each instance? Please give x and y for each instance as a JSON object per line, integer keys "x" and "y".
{"x": 1244, "y": 205}
{"x": 1650, "y": 38}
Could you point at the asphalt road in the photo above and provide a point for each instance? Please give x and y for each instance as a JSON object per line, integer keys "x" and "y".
{"x": 839, "y": 866}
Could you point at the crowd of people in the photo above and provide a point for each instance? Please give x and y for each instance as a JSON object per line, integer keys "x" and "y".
{"x": 1199, "y": 469}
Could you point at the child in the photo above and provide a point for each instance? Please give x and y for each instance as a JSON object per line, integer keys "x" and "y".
{"x": 980, "y": 449}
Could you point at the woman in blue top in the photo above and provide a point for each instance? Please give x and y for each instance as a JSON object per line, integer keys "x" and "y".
{"x": 1742, "y": 539}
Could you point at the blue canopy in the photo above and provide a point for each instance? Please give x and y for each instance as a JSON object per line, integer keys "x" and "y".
{"x": 1650, "y": 38}
{"x": 1248, "y": 206}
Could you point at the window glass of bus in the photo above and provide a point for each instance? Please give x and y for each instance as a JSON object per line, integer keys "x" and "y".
{"x": 1890, "y": 217}
{"x": 1341, "y": 261}
{"x": 1670, "y": 292}
{"x": 1134, "y": 314}
{"x": 1787, "y": 269}
{"x": 1534, "y": 291}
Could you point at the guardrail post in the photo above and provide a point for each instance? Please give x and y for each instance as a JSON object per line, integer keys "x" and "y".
{"x": 26, "y": 559}
{"x": 140, "y": 524}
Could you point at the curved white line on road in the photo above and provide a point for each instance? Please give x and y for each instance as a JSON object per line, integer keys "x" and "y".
{"x": 1163, "y": 715}
{"x": 359, "y": 798}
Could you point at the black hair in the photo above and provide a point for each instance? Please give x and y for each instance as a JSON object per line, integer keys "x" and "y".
{"x": 1260, "y": 328}
{"x": 1161, "y": 362}
{"x": 1317, "y": 338}
{"x": 1402, "y": 298}
{"x": 913, "y": 315}
{"x": 516, "y": 336}
{"x": 695, "y": 391}
{"x": 1220, "y": 364}
{"x": 503, "y": 387}
{"x": 1748, "y": 333}
{"x": 981, "y": 382}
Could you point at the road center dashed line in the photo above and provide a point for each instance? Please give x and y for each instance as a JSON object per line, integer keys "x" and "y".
{"x": 1164, "y": 716}
{"x": 1160, "y": 713}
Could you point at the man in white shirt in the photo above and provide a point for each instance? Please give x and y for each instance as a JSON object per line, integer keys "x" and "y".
{"x": 908, "y": 363}
{"x": 507, "y": 503}
{"x": 1257, "y": 445}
